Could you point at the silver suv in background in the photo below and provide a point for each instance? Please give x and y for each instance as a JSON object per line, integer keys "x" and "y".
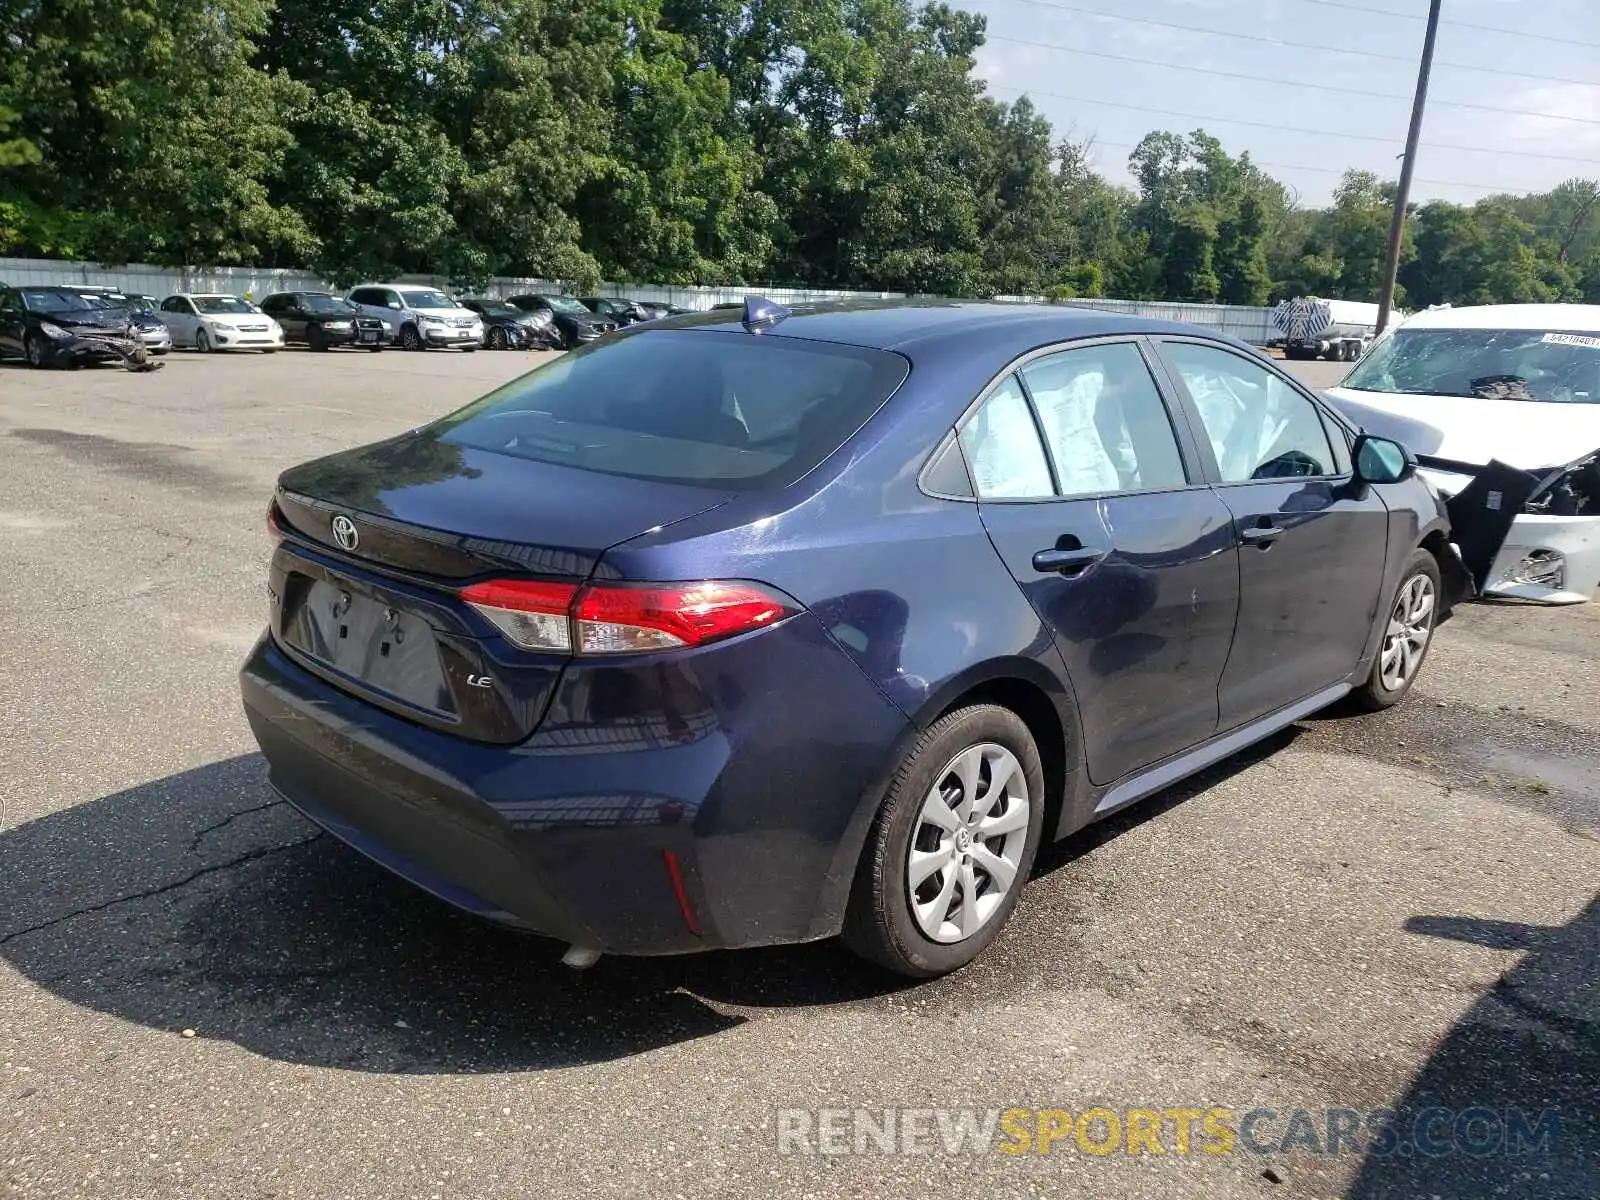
{"x": 418, "y": 317}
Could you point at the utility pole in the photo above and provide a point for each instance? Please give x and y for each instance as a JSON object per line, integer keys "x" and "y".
{"x": 1402, "y": 196}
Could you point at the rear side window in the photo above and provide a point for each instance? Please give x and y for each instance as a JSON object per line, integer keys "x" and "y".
{"x": 727, "y": 410}
{"x": 1002, "y": 446}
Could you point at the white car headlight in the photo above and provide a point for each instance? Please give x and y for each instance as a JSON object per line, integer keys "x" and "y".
{"x": 338, "y": 324}
{"x": 433, "y": 320}
{"x": 52, "y": 330}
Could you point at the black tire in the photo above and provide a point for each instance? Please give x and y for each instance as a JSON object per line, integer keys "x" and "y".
{"x": 497, "y": 338}
{"x": 202, "y": 341}
{"x": 880, "y": 924}
{"x": 468, "y": 349}
{"x": 159, "y": 353}
{"x": 1379, "y": 691}
{"x": 316, "y": 340}
{"x": 35, "y": 348}
{"x": 375, "y": 349}
{"x": 410, "y": 339}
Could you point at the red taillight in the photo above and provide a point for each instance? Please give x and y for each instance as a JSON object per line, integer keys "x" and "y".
{"x": 616, "y": 619}
{"x": 274, "y": 530}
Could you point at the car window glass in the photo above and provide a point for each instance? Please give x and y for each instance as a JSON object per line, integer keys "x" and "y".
{"x": 1104, "y": 421}
{"x": 1002, "y": 446}
{"x": 1259, "y": 427}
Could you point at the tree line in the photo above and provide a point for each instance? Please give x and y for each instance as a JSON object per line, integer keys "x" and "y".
{"x": 831, "y": 143}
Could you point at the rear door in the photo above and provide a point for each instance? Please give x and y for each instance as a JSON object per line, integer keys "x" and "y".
{"x": 1312, "y": 543}
{"x": 1092, "y": 494}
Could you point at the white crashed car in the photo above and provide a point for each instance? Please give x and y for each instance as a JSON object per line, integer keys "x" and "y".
{"x": 1501, "y": 405}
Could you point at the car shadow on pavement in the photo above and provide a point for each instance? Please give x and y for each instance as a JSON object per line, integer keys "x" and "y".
{"x": 1526, "y": 1057}
{"x": 200, "y": 901}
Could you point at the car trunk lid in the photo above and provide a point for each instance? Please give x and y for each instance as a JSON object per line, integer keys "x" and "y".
{"x": 379, "y": 542}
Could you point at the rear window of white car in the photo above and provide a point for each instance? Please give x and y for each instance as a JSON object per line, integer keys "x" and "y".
{"x": 730, "y": 410}
{"x": 1555, "y": 366}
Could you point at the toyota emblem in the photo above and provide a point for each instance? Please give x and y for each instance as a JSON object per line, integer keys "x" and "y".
{"x": 345, "y": 532}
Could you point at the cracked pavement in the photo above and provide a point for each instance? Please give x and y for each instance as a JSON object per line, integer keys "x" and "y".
{"x": 1396, "y": 911}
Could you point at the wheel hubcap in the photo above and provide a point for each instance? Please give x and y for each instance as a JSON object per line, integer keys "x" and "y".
{"x": 968, "y": 842}
{"x": 1410, "y": 627}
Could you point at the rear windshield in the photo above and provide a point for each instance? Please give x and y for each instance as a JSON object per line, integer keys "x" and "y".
{"x": 729, "y": 410}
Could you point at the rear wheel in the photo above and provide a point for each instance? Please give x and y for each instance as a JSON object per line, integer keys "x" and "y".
{"x": 952, "y": 845}
{"x": 1407, "y": 635}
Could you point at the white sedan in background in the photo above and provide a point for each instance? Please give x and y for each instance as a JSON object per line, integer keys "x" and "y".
{"x": 1501, "y": 405}
{"x": 214, "y": 321}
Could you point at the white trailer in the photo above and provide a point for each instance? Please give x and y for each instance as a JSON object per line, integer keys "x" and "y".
{"x": 1338, "y": 330}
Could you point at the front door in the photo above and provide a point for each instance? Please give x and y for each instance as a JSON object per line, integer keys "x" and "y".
{"x": 13, "y": 323}
{"x": 1125, "y": 553}
{"x": 178, "y": 315}
{"x": 1312, "y": 542}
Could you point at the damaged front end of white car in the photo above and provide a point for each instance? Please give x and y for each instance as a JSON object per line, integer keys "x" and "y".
{"x": 1525, "y": 535}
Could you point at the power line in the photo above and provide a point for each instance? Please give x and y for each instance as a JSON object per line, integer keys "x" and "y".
{"x": 1389, "y": 12}
{"x": 1479, "y": 187}
{"x": 1262, "y": 39}
{"x": 1356, "y": 137}
{"x": 1321, "y": 87}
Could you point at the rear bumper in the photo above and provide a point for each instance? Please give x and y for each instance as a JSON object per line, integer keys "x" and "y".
{"x": 749, "y": 771}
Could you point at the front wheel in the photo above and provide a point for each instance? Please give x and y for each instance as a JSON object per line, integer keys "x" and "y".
{"x": 316, "y": 340}
{"x": 497, "y": 338}
{"x": 202, "y": 341}
{"x": 952, "y": 845}
{"x": 1407, "y": 635}
{"x": 410, "y": 339}
{"x": 34, "y": 346}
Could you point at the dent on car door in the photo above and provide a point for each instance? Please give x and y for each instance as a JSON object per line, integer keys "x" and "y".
{"x": 1126, "y": 554}
{"x": 1312, "y": 542}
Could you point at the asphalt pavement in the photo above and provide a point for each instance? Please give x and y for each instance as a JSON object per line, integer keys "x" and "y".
{"x": 200, "y": 996}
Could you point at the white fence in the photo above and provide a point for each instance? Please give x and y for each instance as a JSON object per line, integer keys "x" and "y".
{"x": 1247, "y": 323}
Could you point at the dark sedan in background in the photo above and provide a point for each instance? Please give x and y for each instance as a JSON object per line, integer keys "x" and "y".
{"x": 614, "y": 308}
{"x": 507, "y": 327}
{"x": 575, "y": 323}
{"x": 738, "y": 629}
{"x": 62, "y": 327}
{"x": 322, "y": 321}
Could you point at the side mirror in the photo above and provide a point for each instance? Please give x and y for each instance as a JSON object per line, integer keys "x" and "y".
{"x": 1381, "y": 460}
{"x": 394, "y": 304}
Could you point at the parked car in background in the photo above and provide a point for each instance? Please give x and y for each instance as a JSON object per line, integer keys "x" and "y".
{"x": 507, "y": 327}
{"x": 660, "y": 308}
{"x": 697, "y": 639}
{"x": 62, "y": 327}
{"x": 423, "y": 318}
{"x": 576, "y": 324}
{"x": 141, "y": 309}
{"x": 323, "y": 321}
{"x": 1501, "y": 403}
{"x": 614, "y": 308}
{"x": 210, "y": 321}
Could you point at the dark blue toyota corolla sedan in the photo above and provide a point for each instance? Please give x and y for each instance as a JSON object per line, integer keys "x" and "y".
{"x": 727, "y": 632}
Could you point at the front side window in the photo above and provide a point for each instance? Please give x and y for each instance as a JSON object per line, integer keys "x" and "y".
{"x": 1258, "y": 426}
{"x": 1497, "y": 364}
{"x": 1104, "y": 421}
{"x": 721, "y": 410}
{"x": 1003, "y": 450}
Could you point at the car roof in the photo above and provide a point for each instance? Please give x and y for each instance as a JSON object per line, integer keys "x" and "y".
{"x": 208, "y": 295}
{"x": 904, "y": 324}
{"x": 1567, "y": 317}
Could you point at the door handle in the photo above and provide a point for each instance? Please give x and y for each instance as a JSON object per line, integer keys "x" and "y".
{"x": 1260, "y": 535}
{"x": 1066, "y": 562}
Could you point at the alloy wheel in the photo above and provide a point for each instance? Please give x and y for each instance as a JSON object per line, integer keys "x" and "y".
{"x": 968, "y": 843}
{"x": 202, "y": 342}
{"x": 1410, "y": 627}
{"x": 35, "y": 349}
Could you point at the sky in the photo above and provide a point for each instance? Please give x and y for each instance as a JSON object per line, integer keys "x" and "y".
{"x": 1466, "y": 152}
